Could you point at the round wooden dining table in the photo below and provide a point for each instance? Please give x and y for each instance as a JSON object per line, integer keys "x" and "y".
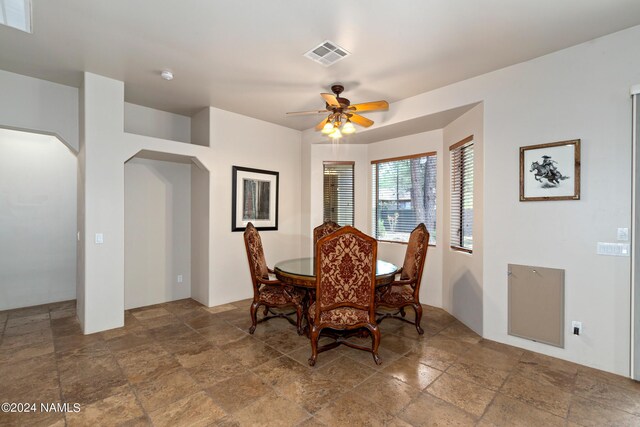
{"x": 301, "y": 272}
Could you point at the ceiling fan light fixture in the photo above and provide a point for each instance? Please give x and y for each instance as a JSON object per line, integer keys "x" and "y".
{"x": 327, "y": 128}
{"x": 336, "y": 134}
{"x": 348, "y": 128}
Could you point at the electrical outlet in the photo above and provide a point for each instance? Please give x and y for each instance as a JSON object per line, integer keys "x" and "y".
{"x": 576, "y": 327}
{"x": 179, "y": 278}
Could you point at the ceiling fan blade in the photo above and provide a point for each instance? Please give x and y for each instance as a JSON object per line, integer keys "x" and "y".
{"x": 302, "y": 113}
{"x": 320, "y": 125}
{"x": 330, "y": 99}
{"x": 370, "y": 106}
{"x": 359, "y": 120}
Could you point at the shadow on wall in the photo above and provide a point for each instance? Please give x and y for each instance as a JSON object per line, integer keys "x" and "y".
{"x": 466, "y": 301}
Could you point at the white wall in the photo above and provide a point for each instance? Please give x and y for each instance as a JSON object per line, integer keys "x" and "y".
{"x": 39, "y": 105}
{"x": 37, "y": 220}
{"x": 159, "y": 124}
{"x": 462, "y": 282}
{"x": 431, "y": 286}
{"x": 157, "y": 230}
{"x": 242, "y": 141}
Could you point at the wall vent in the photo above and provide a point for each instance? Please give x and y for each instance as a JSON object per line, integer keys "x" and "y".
{"x": 327, "y": 53}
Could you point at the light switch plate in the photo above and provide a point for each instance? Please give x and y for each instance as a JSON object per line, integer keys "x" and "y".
{"x": 623, "y": 234}
{"x": 99, "y": 238}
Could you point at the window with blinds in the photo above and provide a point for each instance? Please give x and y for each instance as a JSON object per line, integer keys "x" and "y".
{"x": 462, "y": 195}
{"x": 404, "y": 195}
{"x": 338, "y": 192}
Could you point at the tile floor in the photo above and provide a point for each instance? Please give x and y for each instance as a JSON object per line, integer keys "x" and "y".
{"x": 181, "y": 363}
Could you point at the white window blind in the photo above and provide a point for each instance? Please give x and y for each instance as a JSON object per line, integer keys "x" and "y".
{"x": 338, "y": 192}
{"x": 462, "y": 195}
{"x": 404, "y": 195}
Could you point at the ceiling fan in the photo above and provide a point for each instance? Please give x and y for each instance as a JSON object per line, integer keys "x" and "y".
{"x": 341, "y": 115}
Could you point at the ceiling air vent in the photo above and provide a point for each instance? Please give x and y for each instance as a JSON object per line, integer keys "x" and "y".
{"x": 327, "y": 53}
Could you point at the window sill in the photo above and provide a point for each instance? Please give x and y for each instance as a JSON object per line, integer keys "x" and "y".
{"x": 463, "y": 250}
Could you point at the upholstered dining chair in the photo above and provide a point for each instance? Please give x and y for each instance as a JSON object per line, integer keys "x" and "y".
{"x": 405, "y": 291}
{"x": 269, "y": 291}
{"x": 322, "y": 230}
{"x": 345, "y": 290}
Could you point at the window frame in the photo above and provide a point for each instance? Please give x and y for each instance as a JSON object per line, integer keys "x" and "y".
{"x": 468, "y": 141}
{"x": 353, "y": 187}
{"x": 374, "y": 213}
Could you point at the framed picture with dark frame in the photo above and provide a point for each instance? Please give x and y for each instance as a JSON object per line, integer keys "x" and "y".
{"x": 254, "y": 199}
{"x": 550, "y": 171}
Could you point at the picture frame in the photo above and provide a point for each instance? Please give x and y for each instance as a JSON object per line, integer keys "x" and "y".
{"x": 254, "y": 198}
{"x": 550, "y": 171}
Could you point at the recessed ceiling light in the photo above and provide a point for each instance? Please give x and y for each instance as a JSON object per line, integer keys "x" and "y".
{"x": 16, "y": 14}
{"x": 167, "y": 75}
{"x": 327, "y": 53}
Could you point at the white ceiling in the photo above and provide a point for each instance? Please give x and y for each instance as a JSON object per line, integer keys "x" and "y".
{"x": 246, "y": 56}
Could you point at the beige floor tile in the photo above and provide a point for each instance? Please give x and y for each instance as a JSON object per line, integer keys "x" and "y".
{"x": 223, "y": 334}
{"x": 89, "y": 389}
{"x": 11, "y": 331}
{"x": 191, "y": 411}
{"x": 390, "y": 394}
{"x": 239, "y": 391}
{"x": 27, "y": 320}
{"x": 547, "y": 375}
{"x": 353, "y": 409}
{"x": 609, "y": 378}
{"x": 476, "y": 373}
{"x": 17, "y": 370}
{"x": 271, "y": 411}
{"x": 460, "y": 332}
{"x": 347, "y": 371}
{"x": 145, "y": 313}
{"x": 607, "y": 394}
{"x": 433, "y": 356}
{"x": 490, "y": 358}
{"x": 508, "y": 412}
{"x": 286, "y": 340}
{"x": 12, "y": 355}
{"x": 465, "y": 395}
{"x": 409, "y": 370}
{"x": 280, "y": 371}
{"x": 223, "y": 367}
{"x": 113, "y": 410}
{"x": 250, "y": 352}
{"x": 132, "y": 358}
{"x": 312, "y": 391}
{"x": 151, "y": 369}
{"x": 165, "y": 389}
{"x": 545, "y": 397}
{"x": 221, "y": 308}
{"x": 589, "y": 413}
{"x": 427, "y": 410}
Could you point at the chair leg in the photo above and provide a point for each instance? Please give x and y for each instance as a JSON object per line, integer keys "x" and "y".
{"x": 418, "y": 309}
{"x": 375, "y": 337}
{"x": 299, "y": 311}
{"x": 314, "y": 334}
{"x": 254, "y": 318}
{"x": 402, "y": 312}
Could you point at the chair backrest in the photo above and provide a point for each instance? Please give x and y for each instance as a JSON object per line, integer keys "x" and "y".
{"x": 322, "y": 230}
{"x": 415, "y": 256}
{"x": 346, "y": 271}
{"x": 255, "y": 255}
